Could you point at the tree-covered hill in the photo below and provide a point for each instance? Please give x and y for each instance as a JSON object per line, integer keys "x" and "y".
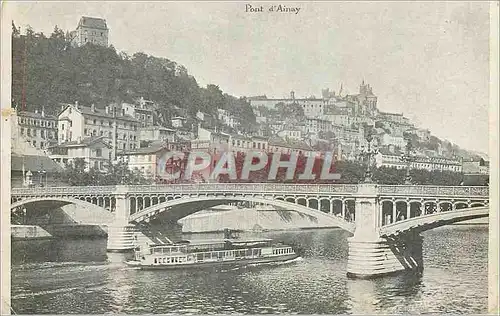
{"x": 47, "y": 70}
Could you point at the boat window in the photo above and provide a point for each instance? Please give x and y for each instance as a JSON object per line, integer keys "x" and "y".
{"x": 156, "y": 261}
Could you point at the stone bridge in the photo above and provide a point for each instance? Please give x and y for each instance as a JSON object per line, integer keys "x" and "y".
{"x": 385, "y": 220}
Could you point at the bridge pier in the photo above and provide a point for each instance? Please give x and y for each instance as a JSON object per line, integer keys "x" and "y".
{"x": 372, "y": 256}
{"x": 370, "y": 259}
{"x": 121, "y": 234}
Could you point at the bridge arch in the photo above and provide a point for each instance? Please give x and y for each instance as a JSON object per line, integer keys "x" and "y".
{"x": 433, "y": 220}
{"x": 180, "y": 208}
{"x": 62, "y": 200}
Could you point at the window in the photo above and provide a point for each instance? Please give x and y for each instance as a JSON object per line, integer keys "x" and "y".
{"x": 98, "y": 152}
{"x": 85, "y": 131}
{"x": 22, "y": 130}
{"x": 96, "y": 164}
{"x": 42, "y": 133}
{"x": 101, "y": 133}
{"x": 62, "y": 126}
{"x": 95, "y": 122}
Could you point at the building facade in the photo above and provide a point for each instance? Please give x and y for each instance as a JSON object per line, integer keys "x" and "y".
{"x": 95, "y": 151}
{"x": 39, "y": 129}
{"x": 120, "y": 130}
{"x": 90, "y": 30}
{"x": 146, "y": 160}
{"x": 143, "y": 112}
{"x": 391, "y": 157}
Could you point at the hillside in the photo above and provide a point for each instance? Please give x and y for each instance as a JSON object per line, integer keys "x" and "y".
{"x": 47, "y": 70}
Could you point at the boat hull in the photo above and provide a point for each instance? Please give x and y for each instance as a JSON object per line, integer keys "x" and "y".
{"x": 215, "y": 264}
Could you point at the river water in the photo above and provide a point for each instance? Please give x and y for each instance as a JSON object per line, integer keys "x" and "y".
{"x": 78, "y": 276}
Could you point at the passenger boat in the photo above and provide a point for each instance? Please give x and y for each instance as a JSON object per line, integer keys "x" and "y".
{"x": 212, "y": 253}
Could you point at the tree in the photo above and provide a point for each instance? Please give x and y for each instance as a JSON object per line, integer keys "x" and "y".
{"x": 75, "y": 174}
{"x": 291, "y": 110}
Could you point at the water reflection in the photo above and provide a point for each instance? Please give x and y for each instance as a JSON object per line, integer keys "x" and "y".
{"x": 79, "y": 277}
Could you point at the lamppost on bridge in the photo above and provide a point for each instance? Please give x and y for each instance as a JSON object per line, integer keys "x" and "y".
{"x": 42, "y": 174}
{"x": 408, "y": 157}
{"x": 367, "y": 153}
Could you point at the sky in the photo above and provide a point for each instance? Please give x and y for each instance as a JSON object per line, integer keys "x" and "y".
{"x": 427, "y": 60}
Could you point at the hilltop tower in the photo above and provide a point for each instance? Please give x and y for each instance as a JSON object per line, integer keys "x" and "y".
{"x": 90, "y": 30}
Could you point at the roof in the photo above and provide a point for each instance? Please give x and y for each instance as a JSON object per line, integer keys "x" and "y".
{"x": 280, "y": 142}
{"x": 84, "y": 142}
{"x": 33, "y": 163}
{"x": 87, "y": 110}
{"x": 96, "y": 23}
{"x": 161, "y": 128}
{"x": 387, "y": 113}
{"x": 36, "y": 115}
{"x": 288, "y": 99}
{"x": 144, "y": 150}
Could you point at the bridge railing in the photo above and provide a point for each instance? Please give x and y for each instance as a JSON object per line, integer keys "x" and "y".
{"x": 246, "y": 188}
{"x": 427, "y": 190}
{"x": 91, "y": 190}
{"x": 275, "y": 188}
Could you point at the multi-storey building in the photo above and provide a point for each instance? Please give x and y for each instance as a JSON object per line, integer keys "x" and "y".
{"x": 178, "y": 121}
{"x": 277, "y": 144}
{"x": 312, "y": 107}
{"x": 146, "y": 160}
{"x": 120, "y": 130}
{"x": 95, "y": 151}
{"x": 476, "y": 166}
{"x": 153, "y": 133}
{"x": 291, "y": 132}
{"x": 365, "y": 100}
{"x": 227, "y": 118}
{"x": 90, "y": 30}
{"x": 37, "y": 128}
{"x": 389, "y": 156}
{"x": 316, "y": 125}
{"x": 143, "y": 112}
{"x": 394, "y": 117}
